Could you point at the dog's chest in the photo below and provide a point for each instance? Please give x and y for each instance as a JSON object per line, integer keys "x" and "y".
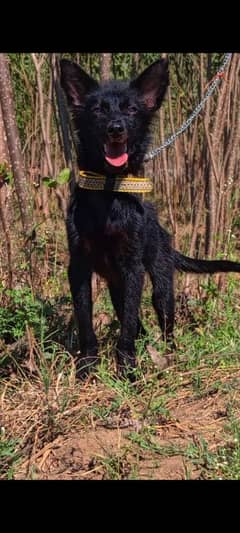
{"x": 104, "y": 247}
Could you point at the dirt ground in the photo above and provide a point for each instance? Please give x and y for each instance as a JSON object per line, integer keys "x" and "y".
{"x": 104, "y": 451}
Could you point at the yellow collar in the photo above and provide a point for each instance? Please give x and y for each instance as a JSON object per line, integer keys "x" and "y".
{"x": 97, "y": 182}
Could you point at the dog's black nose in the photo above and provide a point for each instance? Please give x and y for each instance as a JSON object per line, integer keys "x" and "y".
{"x": 115, "y": 129}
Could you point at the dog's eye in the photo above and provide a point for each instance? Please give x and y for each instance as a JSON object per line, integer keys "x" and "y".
{"x": 132, "y": 109}
{"x": 129, "y": 108}
{"x": 96, "y": 108}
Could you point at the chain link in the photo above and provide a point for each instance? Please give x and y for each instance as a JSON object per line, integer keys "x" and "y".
{"x": 186, "y": 124}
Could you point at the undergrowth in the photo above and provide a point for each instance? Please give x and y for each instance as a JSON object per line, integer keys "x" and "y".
{"x": 42, "y": 401}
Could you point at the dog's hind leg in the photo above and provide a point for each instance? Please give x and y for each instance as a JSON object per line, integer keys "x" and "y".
{"x": 79, "y": 275}
{"x": 163, "y": 299}
{"x": 116, "y": 294}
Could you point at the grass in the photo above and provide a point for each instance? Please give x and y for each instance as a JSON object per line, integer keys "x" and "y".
{"x": 186, "y": 412}
{"x": 9, "y": 457}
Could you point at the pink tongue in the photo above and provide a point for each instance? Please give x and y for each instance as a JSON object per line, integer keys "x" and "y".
{"x": 117, "y": 161}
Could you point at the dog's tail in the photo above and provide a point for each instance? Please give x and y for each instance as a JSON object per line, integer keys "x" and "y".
{"x": 201, "y": 266}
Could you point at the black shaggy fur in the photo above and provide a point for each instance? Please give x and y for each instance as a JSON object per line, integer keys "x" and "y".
{"x": 116, "y": 234}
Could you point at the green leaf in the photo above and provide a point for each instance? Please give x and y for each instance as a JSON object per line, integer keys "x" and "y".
{"x": 63, "y": 177}
{"x": 49, "y": 182}
{"x": 9, "y": 178}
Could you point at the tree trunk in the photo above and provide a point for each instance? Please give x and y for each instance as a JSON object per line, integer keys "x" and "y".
{"x": 64, "y": 129}
{"x": 5, "y": 208}
{"x": 14, "y": 146}
{"x": 135, "y": 63}
{"x": 167, "y": 180}
{"x": 105, "y": 66}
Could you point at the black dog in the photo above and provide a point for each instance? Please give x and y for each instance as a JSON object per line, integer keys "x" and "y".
{"x": 115, "y": 233}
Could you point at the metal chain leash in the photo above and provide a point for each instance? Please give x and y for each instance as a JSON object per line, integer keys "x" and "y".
{"x": 186, "y": 124}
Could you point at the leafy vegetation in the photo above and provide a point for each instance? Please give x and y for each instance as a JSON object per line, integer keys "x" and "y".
{"x": 168, "y": 415}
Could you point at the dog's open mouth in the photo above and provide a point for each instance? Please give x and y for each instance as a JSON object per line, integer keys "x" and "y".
{"x": 116, "y": 153}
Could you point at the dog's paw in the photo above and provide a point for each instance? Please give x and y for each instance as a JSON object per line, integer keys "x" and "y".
{"x": 126, "y": 372}
{"x": 85, "y": 365}
{"x": 126, "y": 364}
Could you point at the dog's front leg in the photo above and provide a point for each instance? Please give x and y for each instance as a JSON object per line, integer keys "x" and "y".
{"x": 80, "y": 274}
{"x": 132, "y": 290}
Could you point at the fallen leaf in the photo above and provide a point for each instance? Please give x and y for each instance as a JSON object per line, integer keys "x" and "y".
{"x": 160, "y": 361}
{"x": 103, "y": 319}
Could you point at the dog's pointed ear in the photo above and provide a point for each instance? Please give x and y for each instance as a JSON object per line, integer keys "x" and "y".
{"x": 76, "y": 83}
{"x": 152, "y": 84}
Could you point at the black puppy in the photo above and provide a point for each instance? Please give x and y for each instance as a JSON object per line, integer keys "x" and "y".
{"x": 114, "y": 233}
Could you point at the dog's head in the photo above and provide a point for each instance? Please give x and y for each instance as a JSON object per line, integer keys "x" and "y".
{"x": 112, "y": 119}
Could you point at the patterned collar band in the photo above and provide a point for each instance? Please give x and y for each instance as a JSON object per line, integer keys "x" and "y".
{"x": 97, "y": 182}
